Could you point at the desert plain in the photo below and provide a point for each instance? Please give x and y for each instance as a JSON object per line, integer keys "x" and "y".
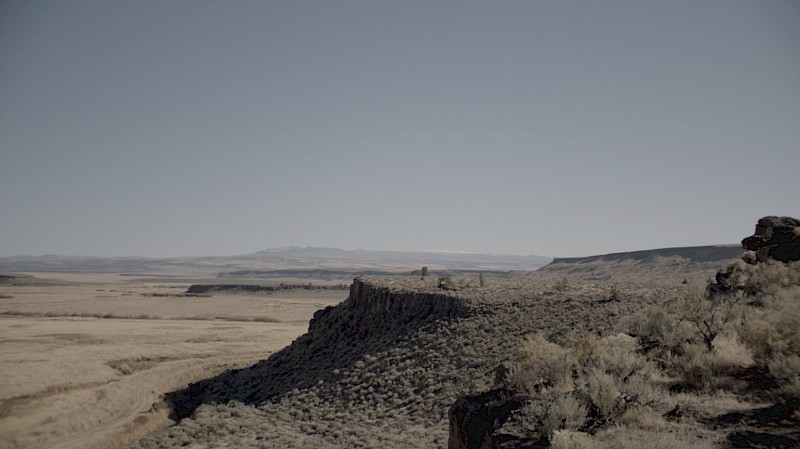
{"x": 87, "y": 357}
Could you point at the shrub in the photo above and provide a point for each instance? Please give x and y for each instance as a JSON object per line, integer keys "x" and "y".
{"x": 774, "y": 338}
{"x": 710, "y": 315}
{"x": 446, "y": 282}
{"x": 543, "y": 366}
{"x": 786, "y": 371}
{"x": 655, "y": 328}
{"x": 603, "y": 392}
{"x": 695, "y": 367}
{"x": 615, "y": 294}
{"x": 628, "y": 438}
{"x": 730, "y": 353}
{"x": 543, "y": 416}
{"x": 562, "y": 285}
{"x": 567, "y": 439}
{"x": 565, "y": 413}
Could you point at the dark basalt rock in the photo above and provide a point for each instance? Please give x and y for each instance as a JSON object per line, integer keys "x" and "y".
{"x": 775, "y": 239}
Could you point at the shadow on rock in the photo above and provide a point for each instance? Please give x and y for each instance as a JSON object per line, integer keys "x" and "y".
{"x": 370, "y": 321}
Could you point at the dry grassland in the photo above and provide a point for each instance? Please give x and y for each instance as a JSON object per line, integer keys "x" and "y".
{"x": 85, "y": 363}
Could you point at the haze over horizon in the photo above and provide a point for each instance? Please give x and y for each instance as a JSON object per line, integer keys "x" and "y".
{"x": 187, "y": 128}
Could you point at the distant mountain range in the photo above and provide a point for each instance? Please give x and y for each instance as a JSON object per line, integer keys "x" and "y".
{"x": 693, "y": 263}
{"x": 288, "y": 258}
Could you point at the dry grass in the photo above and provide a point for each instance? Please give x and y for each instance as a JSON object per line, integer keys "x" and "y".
{"x": 363, "y": 379}
{"x": 707, "y": 342}
{"x": 84, "y": 365}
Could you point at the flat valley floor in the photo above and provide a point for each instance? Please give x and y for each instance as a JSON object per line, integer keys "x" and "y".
{"x": 86, "y": 358}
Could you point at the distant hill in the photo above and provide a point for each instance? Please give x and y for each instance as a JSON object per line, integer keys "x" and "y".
{"x": 694, "y": 263}
{"x": 289, "y": 258}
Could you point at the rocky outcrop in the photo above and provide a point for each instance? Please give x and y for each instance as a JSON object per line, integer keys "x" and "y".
{"x": 775, "y": 238}
{"x": 372, "y": 317}
{"x": 476, "y": 420}
{"x": 382, "y": 368}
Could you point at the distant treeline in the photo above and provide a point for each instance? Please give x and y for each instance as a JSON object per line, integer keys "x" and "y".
{"x": 209, "y": 288}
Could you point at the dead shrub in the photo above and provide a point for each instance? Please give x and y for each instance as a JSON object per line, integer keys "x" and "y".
{"x": 710, "y": 315}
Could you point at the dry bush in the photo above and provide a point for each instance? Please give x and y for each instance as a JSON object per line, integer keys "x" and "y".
{"x": 730, "y": 353}
{"x": 561, "y": 285}
{"x": 613, "y": 375}
{"x": 568, "y": 439}
{"x": 565, "y": 413}
{"x": 608, "y": 375}
{"x": 776, "y": 330}
{"x": 586, "y": 349}
{"x": 767, "y": 278}
{"x": 544, "y": 415}
{"x": 710, "y": 316}
{"x": 786, "y": 371}
{"x": 542, "y": 366}
{"x": 603, "y": 392}
{"x": 642, "y": 418}
{"x": 695, "y": 366}
{"x": 653, "y": 325}
{"x": 628, "y": 438}
{"x": 774, "y": 338}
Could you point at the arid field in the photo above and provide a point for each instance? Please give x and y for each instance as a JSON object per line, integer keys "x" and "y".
{"x": 584, "y": 354}
{"x": 87, "y": 357}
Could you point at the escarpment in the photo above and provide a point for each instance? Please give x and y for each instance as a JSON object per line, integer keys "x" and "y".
{"x": 382, "y": 368}
{"x": 369, "y": 320}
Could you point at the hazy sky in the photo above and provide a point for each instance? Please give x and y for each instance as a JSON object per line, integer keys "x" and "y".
{"x": 559, "y": 128}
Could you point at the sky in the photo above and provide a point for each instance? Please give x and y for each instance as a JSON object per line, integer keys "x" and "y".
{"x": 568, "y": 128}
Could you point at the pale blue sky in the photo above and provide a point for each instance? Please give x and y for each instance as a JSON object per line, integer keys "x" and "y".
{"x": 176, "y": 128}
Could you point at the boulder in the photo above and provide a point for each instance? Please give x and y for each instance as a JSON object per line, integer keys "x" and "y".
{"x": 775, "y": 238}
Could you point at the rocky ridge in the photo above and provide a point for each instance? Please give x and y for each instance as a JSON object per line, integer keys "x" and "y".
{"x": 666, "y": 264}
{"x": 382, "y": 368}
